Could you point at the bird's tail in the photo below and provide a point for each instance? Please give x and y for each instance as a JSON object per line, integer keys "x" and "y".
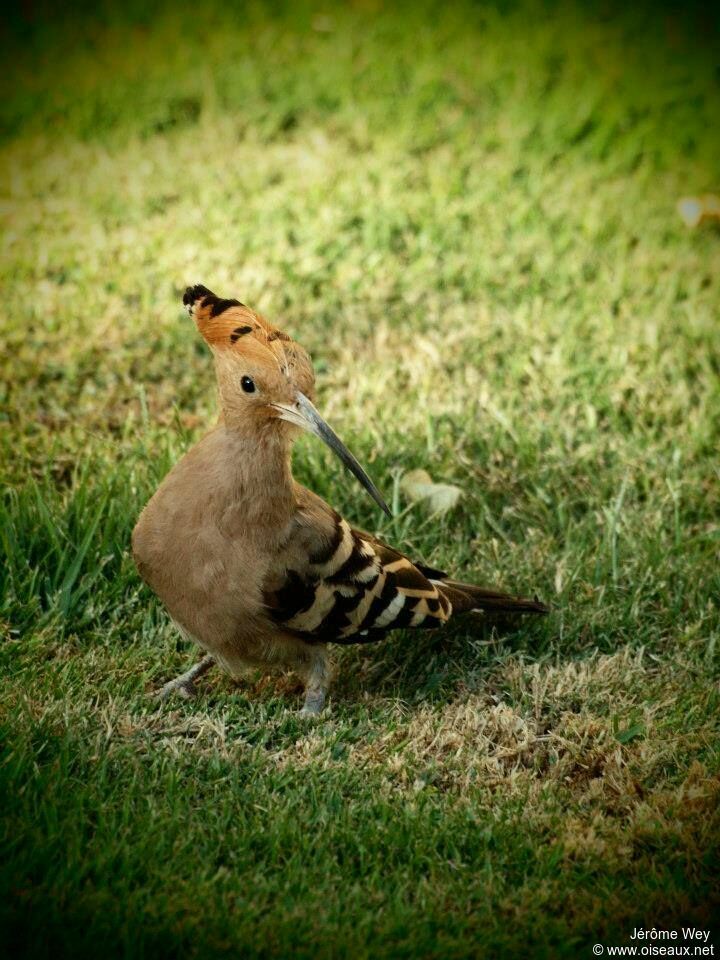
{"x": 467, "y": 598}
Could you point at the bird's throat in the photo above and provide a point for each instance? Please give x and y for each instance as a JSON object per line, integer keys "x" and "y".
{"x": 256, "y": 470}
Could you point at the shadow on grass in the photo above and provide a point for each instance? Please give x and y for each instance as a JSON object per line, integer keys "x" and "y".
{"x": 417, "y": 666}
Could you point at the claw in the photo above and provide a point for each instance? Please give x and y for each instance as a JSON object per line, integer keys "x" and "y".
{"x": 183, "y": 688}
{"x": 184, "y": 685}
{"x": 314, "y": 703}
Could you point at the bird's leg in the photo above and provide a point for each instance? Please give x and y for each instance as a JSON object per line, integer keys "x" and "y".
{"x": 184, "y": 685}
{"x": 316, "y": 679}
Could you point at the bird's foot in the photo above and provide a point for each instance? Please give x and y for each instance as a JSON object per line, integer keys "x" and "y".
{"x": 185, "y": 689}
{"x": 314, "y": 703}
{"x": 184, "y": 685}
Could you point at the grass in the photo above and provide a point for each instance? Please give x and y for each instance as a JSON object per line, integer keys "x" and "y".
{"x": 468, "y": 216}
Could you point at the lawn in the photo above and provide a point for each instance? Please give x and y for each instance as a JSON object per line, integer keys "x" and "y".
{"x": 468, "y": 215}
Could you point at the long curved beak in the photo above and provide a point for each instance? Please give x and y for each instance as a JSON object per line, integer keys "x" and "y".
{"x": 303, "y": 414}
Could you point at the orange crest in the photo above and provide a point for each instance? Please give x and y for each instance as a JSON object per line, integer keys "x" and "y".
{"x": 223, "y": 323}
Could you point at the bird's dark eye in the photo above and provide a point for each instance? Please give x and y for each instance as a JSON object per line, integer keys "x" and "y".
{"x": 248, "y": 384}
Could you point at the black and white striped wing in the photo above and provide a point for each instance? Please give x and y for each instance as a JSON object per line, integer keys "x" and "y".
{"x": 353, "y": 590}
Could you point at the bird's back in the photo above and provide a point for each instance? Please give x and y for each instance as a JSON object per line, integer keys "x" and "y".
{"x": 334, "y": 583}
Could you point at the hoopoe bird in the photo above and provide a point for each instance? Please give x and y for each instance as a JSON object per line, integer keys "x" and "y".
{"x": 254, "y": 567}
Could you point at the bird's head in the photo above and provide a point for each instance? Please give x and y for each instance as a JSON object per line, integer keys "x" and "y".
{"x": 265, "y": 379}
